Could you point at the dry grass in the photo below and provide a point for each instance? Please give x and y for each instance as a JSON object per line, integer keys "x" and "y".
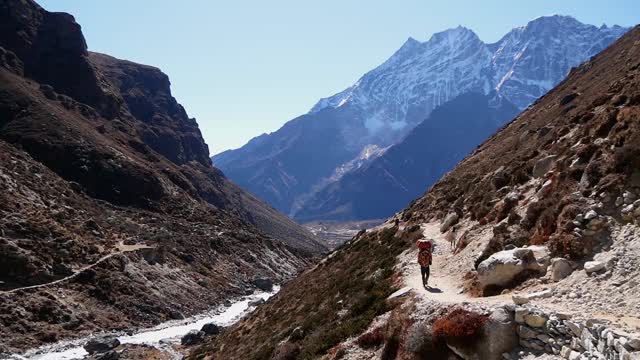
{"x": 336, "y": 300}
{"x": 459, "y": 325}
{"x": 371, "y": 339}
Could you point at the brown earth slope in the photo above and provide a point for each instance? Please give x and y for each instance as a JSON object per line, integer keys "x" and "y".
{"x": 576, "y": 150}
{"x": 111, "y": 215}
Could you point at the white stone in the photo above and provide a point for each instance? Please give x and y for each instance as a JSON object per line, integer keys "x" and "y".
{"x": 591, "y": 214}
{"x": 400, "y": 293}
{"x": 574, "y": 355}
{"x": 502, "y": 267}
{"x": 521, "y": 299}
{"x": 593, "y": 266}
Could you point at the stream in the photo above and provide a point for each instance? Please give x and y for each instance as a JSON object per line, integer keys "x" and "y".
{"x": 162, "y": 336}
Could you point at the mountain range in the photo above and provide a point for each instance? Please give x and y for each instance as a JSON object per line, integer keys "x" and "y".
{"x": 546, "y": 263}
{"x": 296, "y": 167}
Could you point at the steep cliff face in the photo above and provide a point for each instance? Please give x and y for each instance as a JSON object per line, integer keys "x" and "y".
{"x": 146, "y": 92}
{"x": 385, "y": 104}
{"x": 111, "y": 214}
{"x": 53, "y": 51}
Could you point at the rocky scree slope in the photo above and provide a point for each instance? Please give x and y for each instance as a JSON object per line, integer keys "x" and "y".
{"x": 111, "y": 215}
{"x": 562, "y": 175}
{"x": 387, "y": 102}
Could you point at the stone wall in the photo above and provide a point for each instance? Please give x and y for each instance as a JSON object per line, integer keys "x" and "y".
{"x": 555, "y": 333}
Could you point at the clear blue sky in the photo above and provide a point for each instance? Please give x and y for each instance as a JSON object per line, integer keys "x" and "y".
{"x": 244, "y": 67}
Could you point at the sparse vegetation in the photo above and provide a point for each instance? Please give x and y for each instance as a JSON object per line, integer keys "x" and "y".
{"x": 336, "y": 300}
{"x": 459, "y": 325}
{"x": 372, "y": 338}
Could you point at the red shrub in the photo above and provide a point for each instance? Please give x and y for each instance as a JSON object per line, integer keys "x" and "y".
{"x": 459, "y": 325}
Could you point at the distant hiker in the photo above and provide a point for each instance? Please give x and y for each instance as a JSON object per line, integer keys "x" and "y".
{"x": 425, "y": 250}
{"x": 397, "y": 222}
{"x": 451, "y": 237}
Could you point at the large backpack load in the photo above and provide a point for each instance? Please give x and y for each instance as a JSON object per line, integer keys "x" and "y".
{"x": 424, "y": 244}
{"x": 424, "y": 253}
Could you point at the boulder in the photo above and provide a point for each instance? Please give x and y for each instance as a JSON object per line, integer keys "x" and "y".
{"x": 497, "y": 336}
{"x": 503, "y": 267}
{"x": 192, "y": 337}
{"x": 256, "y": 302}
{"x": 449, "y": 221}
{"x": 211, "y": 329}
{"x": 543, "y": 166}
{"x": 101, "y": 345}
{"x": 593, "y": 266}
{"x": 560, "y": 269}
{"x": 263, "y": 283}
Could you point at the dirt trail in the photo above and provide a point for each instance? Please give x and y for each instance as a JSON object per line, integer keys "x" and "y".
{"x": 122, "y": 248}
{"x": 443, "y": 286}
{"x": 447, "y": 288}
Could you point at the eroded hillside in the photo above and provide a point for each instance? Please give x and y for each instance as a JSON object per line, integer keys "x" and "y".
{"x": 111, "y": 215}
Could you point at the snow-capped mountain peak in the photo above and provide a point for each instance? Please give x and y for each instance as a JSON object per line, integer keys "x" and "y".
{"x": 523, "y": 65}
{"x": 386, "y": 103}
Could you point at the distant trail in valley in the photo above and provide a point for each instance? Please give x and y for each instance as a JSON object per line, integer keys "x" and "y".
{"x": 122, "y": 248}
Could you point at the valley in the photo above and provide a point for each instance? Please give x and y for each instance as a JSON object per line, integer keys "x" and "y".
{"x": 518, "y": 161}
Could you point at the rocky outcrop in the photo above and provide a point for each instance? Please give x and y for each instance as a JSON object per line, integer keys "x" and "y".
{"x": 53, "y": 51}
{"x": 503, "y": 268}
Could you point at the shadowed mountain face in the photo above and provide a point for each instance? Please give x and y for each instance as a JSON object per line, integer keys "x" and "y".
{"x": 109, "y": 200}
{"x": 405, "y": 170}
{"x": 286, "y": 168}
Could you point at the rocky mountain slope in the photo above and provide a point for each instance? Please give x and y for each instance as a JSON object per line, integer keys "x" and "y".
{"x": 548, "y": 213}
{"x": 111, "y": 215}
{"x": 389, "y": 101}
{"x": 392, "y": 180}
